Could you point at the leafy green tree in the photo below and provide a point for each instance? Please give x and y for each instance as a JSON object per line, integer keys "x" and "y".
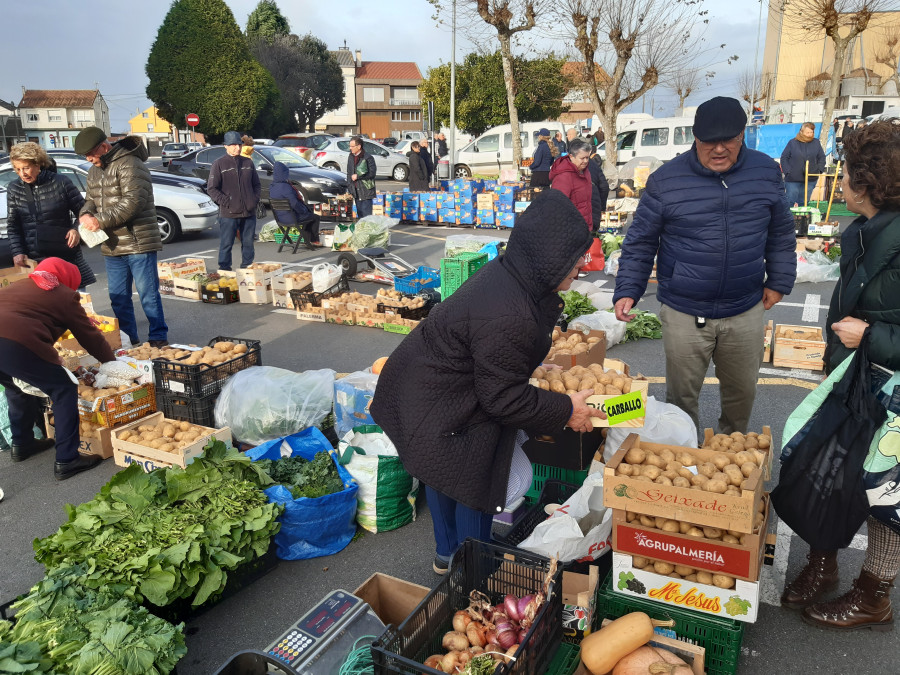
{"x": 266, "y": 21}
{"x": 200, "y": 63}
{"x": 481, "y": 91}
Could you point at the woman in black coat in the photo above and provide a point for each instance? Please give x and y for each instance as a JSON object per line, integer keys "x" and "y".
{"x": 418, "y": 171}
{"x": 455, "y": 393}
{"x": 41, "y": 206}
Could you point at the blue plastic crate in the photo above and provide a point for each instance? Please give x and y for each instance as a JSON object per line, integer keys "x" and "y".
{"x": 415, "y": 283}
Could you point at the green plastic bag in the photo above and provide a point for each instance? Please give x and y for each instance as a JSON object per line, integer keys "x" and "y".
{"x": 387, "y": 494}
{"x": 5, "y": 431}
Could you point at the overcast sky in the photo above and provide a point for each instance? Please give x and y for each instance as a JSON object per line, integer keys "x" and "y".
{"x": 61, "y": 44}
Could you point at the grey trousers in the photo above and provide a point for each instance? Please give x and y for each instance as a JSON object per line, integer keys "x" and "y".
{"x": 734, "y": 344}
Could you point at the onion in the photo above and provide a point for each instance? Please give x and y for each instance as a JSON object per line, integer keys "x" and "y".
{"x": 512, "y": 607}
{"x": 504, "y": 626}
{"x": 522, "y": 633}
{"x": 507, "y": 638}
{"x": 490, "y": 636}
{"x": 460, "y": 621}
{"x": 522, "y": 604}
{"x": 475, "y": 634}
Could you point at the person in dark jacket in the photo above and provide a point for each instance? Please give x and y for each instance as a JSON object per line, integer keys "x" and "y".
{"x": 425, "y": 154}
{"x": 542, "y": 160}
{"x": 361, "y": 172}
{"x": 717, "y": 222}
{"x": 866, "y": 297}
{"x": 34, "y": 313}
{"x": 41, "y": 207}
{"x": 302, "y": 217}
{"x": 119, "y": 200}
{"x": 455, "y": 393}
{"x": 560, "y": 143}
{"x": 442, "y": 150}
{"x": 418, "y": 171}
{"x": 234, "y": 185}
{"x": 600, "y": 191}
{"x": 797, "y": 154}
{"x": 569, "y": 174}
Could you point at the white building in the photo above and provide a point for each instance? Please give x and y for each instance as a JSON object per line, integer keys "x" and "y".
{"x": 53, "y": 117}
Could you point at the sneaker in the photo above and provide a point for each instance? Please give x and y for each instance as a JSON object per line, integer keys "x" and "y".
{"x": 23, "y": 452}
{"x": 65, "y": 470}
{"x": 159, "y": 344}
{"x": 440, "y": 566}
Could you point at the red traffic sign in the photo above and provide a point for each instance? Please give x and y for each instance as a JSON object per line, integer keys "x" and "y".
{"x": 192, "y": 119}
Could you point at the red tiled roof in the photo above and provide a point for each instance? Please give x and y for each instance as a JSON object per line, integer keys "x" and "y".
{"x": 388, "y": 70}
{"x": 574, "y": 69}
{"x": 63, "y": 98}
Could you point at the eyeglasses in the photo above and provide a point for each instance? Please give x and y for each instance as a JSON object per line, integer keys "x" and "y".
{"x": 730, "y": 142}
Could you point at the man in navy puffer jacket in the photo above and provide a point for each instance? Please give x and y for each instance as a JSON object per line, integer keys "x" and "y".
{"x": 717, "y": 220}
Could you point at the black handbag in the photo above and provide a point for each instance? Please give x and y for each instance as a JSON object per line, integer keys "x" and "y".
{"x": 820, "y": 492}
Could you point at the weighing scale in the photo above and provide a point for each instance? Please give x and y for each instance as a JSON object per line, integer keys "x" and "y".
{"x": 317, "y": 644}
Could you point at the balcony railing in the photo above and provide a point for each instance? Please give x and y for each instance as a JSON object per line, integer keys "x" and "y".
{"x": 405, "y": 101}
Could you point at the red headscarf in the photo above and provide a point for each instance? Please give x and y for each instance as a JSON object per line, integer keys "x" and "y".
{"x": 55, "y": 271}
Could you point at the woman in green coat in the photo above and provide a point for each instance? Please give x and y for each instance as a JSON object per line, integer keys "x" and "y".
{"x": 867, "y": 296}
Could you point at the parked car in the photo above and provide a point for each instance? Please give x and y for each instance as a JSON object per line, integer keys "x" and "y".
{"x": 182, "y": 204}
{"x": 65, "y": 153}
{"x": 194, "y": 146}
{"x": 402, "y": 146}
{"x": 315, "y": 184}
{"x": 388, "y": 164}
{"x": 493, "y": 150}
{"x": 303, "y": 144}
{"x": 172, "y": 150}
{"x": 661, "y": 138}
{"x": 389, "y": 142}
{"x": 264, "y": 141}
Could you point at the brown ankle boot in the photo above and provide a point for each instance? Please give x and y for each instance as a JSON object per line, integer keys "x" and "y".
{"x": 818, "y": 577}
{"x": 866, "y": 605}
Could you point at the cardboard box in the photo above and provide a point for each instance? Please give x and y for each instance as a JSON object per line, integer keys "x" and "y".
{"x": 692, "y": 654}
{"x": 281, "y": 299}
{"x": 693, "y": 506}
{"x": 310, "y": 313}
{"x": 144, "y": 367}
{"x": 282, "y": 282}
{"x": 823, "y": 229}
{"x": 126, "y": 453}
{"x": 598, "y": 401}
{"x": 370, "y": 319}
{"x": 113, "y": 337}
{"x": 485, "y": 201}
{"x": 566, "y": 449}
{"x": 185, "y": 288}
{"x": 180, "y": 268}
{"x": 257, "y": 295}
{"x": 596, "y": 354}
{"x": 392, "y": 599}
{"x": 799, "y": 347}
{"x": 340, "y": 316}
{"x": 579, "y": 596}
{"x": 740, "y": 603}
{"x": 257, "y": 278}
{"x": 220, "y": 297}
{"x": 125, "y": 406}
{"x": 11, "y": 275}
{"x": 708, "y": 435}
{"x": 102, "y": 447}
{"x": 767, "y": 341}
{"x": 743, "y": 561}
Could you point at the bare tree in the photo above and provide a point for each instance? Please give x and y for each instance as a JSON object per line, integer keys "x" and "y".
{"x": 841, "y": 21}
{"x": 636, "y": 41}
{"x": 888, "y": 54}
{"x": 752, "y": 88}
{"x": 684, "y": 83}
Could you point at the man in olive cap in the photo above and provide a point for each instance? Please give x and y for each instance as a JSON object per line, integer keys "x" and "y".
{"x": 119, "y": 201}
{"x": 717, "y": 222}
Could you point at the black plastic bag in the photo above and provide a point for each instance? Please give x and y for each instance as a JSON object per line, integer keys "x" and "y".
{"x": 820, "y": 492}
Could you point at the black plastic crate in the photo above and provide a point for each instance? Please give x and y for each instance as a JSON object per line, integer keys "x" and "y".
{"x": 300, "y": 298}
{"x": 494, "y": 570}
{"x": 416, "y": 313}
{"x": 200, "y": 410}
{"x": 801, "y": 224}
{"x": 194, "y": 381}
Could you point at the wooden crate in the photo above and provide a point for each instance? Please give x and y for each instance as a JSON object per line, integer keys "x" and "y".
{"x": 125, "y": 406}
{"x": 799, "y": 347}
{"x": 125, "y": 453}
{"x": 767, "y": 341}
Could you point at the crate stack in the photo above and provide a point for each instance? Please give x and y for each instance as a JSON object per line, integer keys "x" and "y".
{"x": 188, "y": 392}
{"x": 455, "y": 271}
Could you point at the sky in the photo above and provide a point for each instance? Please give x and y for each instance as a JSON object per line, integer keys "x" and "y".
{"x": 61, "y": 44}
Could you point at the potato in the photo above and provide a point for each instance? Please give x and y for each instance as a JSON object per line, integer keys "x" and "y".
{"x": 718, "y": 475}
{"x": 747, "y": 468}
{"x": 743, "y": 456}
{"x": 712, "y": 532}
{"x": 587, "y": 382}
{"x": 544, "y": 384}
{"x": 650, "y": 471}
{"x": 610, "y": 390}
{"x": 704, "y": 577}
{"x": 558, "y": 387}
{"x": 167, "y": 447}
{"x": 751, "y": 443}
{"x": 156, "y": 442}
{"x": 635, "y": 456}
{"x": 683, "y": 570}
{"x": 539, "y": 373}
{"x": 624, "y": 469}
{"x": 685, "y": 473}
{"x": 639, "y": 561}
{"x": 758, "y": 520}
{"x": 721, "y": 460}
{"x": 733, "y": 491}
{"x": 671, "y": 475}
{"x": 683, "y": 527}
{"x": 661, "y": 567}
{"x": 726, "y": 442}
{"x": 647, "y": 521}
{"x": 761, "y": 506}
{"x": 605, "y": 379}
{"x": 695, "y": 532}
{"x": 673, "y": 465}
{"x": 737, "y": 435}
{"x": 716, "y": 486}
{"x": 125, "y": 435}
{"x": 686, "y": 459}
{"x": 184, "y": 426}
{"x": 571, "y": 381}
{"x": 692, "y": 578}
{"x": 723, "y": 581}
{"x": 667, "y": 455}
{"x": 699, "y": 480}
{"x": 554, "y": 374}
{"x": 146, "y": 427}
{"x": 670, "y": 526}
{"x": 737, "y": 446}
{"x": 168, "y": 431}
{"x": 707, "y": 469}
{"x": 654, "y": 460}
{"x": 730, "y": 539}
{"x": 630, "y": 517}
{"x": 659, "y": 521}
{"x": 626, "y": 388}
{"x": 681, "y": 482}
{"x": 735, "y": 475}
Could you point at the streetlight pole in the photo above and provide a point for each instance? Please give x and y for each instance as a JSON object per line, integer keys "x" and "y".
{"x": 453, "y": 95}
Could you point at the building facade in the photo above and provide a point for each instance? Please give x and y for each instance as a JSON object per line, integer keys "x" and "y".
{"x": 53, "y": 117}
{"x": 342, "y": 121}
{"x": 10, "y": 126}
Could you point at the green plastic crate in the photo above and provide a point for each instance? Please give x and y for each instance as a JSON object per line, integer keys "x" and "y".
{"x": 543, "y": 473}
{"x": 565, "y": 661}
{"x": 455, "y": 271}
{"x": 720, "y": 637}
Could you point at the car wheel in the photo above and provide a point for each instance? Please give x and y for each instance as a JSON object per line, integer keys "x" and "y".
{"x": 400, "y": 173}
{"x": 260, "y": 210}
{"x": 331, "y": 165}
{"x": 169, "y": 225}
{"x": 347, "y": 261}
{"x": 462, "y": 171}
{"x": 165, "y": 163}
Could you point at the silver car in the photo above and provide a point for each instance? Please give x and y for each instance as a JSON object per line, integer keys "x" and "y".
{"x": 172, "y": 150}
{"x": 388, "y": 164}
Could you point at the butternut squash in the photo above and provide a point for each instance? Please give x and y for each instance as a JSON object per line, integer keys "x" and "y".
{"x": 653, "y": 661}
{"x": 601, "y": 651}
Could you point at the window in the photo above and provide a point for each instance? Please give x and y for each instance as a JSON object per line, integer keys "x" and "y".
{"x": 625, "y": 140}
{"x": 684, "y": 135}
{"x": 396, "y": 116}
{"x": 76, "y": 177}
{"x": 374, "y": 150}
{"x": 343, "y": 146}
{"x": 658, "y": 136}
{"x": 33, "y": 117}
{"x": 84, "y": 115}
{"x": 405, "y": 94}
{"x": 210, "y": 156}
{"x": 55, "y": 115}
{"x": 508, "y": 142}
{"x": 488, "y": 143}
{"x": 373, "y": 94}
{"x": 145, "y": 115}
{"x": 415, "y": 115}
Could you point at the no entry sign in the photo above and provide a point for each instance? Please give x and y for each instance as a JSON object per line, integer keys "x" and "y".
{"x": 192, "y": 119}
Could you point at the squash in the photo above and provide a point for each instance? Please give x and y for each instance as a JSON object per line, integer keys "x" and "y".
{"x": 601, "y": 651}
{"x": 379, "y": 365}
{"x": 651, "y": 660}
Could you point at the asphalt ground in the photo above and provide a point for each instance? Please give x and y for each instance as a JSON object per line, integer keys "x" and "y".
{"x": 779, "y": 642}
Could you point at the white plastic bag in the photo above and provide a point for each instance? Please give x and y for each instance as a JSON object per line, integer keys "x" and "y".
{"x": 324, "y": 276}
{"x": 263, "y": 403}
{"x": 664, "y": 423}
{"x": 815, "y": 266}
{"x": 603, "y": 320}
{"x": 580, "y": 529}
{"x": 91, "y": 238}
{"x": 372, "y": 232}
{"x": 612, "y": 263}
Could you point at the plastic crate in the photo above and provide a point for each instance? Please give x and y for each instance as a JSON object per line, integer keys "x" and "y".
{"x": 554, "y": 492}
{"x": 195, "y": 381}
{"x": 300, "y": 298}
{"x": 424, "y": 277}
{"x": 720, "y": 637}
{"x": 492, "y": 569}
{"x": 566, "y": 660}
{"x": 200, "y": 410}
{"x": 801, "y": 224}
{"x": 542, "y": 473}
{"x": 455, "y": 271}
{"x": 416, "y": 313}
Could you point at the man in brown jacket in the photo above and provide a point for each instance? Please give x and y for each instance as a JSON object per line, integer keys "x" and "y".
{"x": 119, "y": 201}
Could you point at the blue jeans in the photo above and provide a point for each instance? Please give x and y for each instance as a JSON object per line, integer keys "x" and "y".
{"x": 363, "y": 207}
{"x": 454, "y": 522}
{"x": 139, "y": 268}
{"x": 228, "y": 228}
{"x": 794, "y": 191}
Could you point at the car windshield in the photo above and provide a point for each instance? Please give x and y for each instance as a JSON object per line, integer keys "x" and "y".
{"x": 286, "y": 157}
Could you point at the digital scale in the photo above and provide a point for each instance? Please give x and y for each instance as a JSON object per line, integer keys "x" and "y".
{"x": 318, "y": 644}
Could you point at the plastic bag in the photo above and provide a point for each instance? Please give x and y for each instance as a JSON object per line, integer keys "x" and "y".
{"x": 881, "y": 478}
{"x": 579, "y": 530}
{"x": 342, "y": 236}
{"x": 664, "y": 423}
{"x": 612, "y": 263}
{"x": 815, "y": 266}
{"x": 605, "y": 321}
{"x": 372, "y": 232}
{"x": 324, "y": 276}
{"x": 387, "y": 494}
{"x": 267, "y": 231}
{"x": 492, "y": 250}
{"x": 263, "y": 403}
{"x": 91, "y": 238}
{"x": 467, "y": 243}
{"x": 310, "y": 528}
{"x": 352, "y": 398}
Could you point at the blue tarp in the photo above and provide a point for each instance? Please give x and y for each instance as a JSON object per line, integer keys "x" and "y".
{"x": 772, "y": 138}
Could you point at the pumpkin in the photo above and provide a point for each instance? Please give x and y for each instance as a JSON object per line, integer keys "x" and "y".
{"x": 602, "y": 650}
{"x": 650, "y": 660}
{"x": 378, "y": 366}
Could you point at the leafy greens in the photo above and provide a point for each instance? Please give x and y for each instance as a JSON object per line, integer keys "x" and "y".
{"x": 576, "y": 304}
{"x": 303, "y": 478}
{"x": 643, "y": 325}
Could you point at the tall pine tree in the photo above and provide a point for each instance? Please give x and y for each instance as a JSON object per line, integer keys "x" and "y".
{"x": 266, "y": 21}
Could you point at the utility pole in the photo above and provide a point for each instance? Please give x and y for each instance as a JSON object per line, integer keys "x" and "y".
{"x": 453, "y": 95}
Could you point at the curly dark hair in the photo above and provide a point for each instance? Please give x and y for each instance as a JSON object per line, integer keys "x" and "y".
{"x": 872, "y": 156}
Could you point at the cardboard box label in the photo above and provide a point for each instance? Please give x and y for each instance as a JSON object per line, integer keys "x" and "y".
{"x": 623, "y": 408}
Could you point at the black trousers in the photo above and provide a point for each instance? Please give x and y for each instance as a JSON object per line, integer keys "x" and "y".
{"x": 540, "y": 179}
{"x": 21, "y": 362}
{"x": 310, "y": 227}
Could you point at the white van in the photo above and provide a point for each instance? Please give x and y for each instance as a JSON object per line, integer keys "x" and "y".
{"x": 493, "y": 150}
{"x": 662, "y": 138}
